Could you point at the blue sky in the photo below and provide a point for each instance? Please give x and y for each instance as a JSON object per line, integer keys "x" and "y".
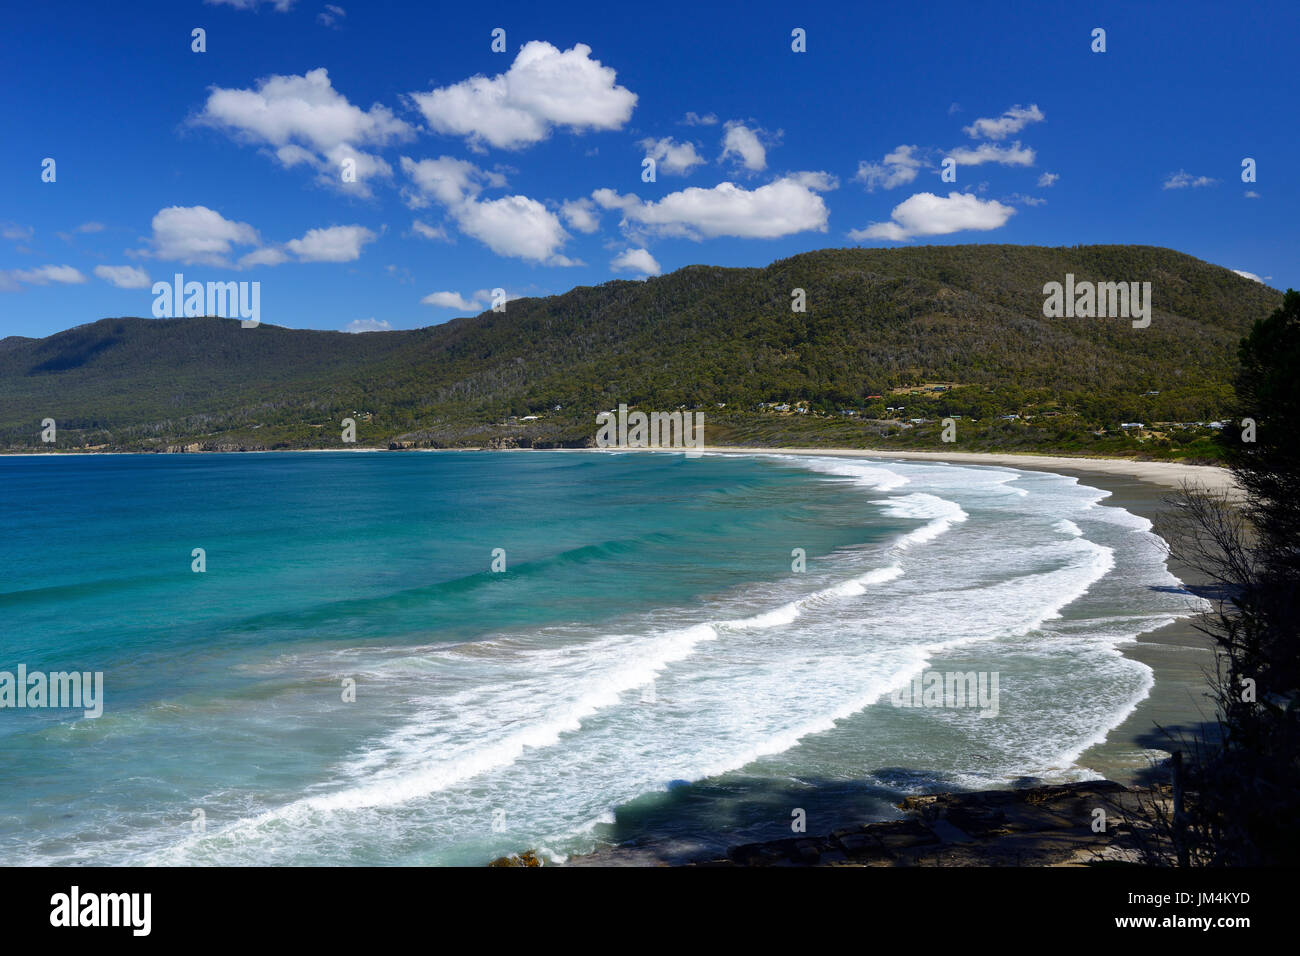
{"x": 523, "y": 169}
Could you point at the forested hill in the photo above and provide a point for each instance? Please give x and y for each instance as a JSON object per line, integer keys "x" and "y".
{"x": 876, "y": 320}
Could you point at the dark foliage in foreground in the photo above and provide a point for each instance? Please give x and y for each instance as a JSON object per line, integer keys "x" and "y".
{"x": 1242, "y": 804}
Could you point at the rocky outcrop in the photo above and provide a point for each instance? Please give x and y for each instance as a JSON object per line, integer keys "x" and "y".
{"x": 1067, "y": 825}
{"x": 1064, "y": 825}
{"x": 196, "y": 447}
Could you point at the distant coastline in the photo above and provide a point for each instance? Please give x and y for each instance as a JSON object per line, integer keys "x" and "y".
{"x": 1168, "y": 474}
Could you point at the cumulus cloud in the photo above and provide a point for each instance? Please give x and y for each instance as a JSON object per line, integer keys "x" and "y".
{"x": 636, "y": 260}
{"x": 515, "y": 226}
{"x": 282, "y": 6}
{"x": 304, "y": 120}
{"x": 1183, "y": 179}
{"x": 368, "y": 325}
{"x": 543, "y": 89}
{"x": 1013, "y": 155}
{"x": 1048, "y": 179}
{"x": 335, "y": 244}
{"x": 926, "y": 214}
{"x": 10, "y": 279}
{"x": 17, "y": 233}
{"x": 781, "y": 208}
{"x": 1012, "y": 121}
{"x": 897, "y": 169}
{"x": 695, "y": 119}
{"x": 266, "y": 256}
{"x": 1249, "y": 275}
{"x": 448, "y": 180}
{"x": 581, "y": 215}
{"x": 426, "y": 231}
{"x": 329, "y": 17}
{"x": 124, "y": 277}
{"x": 741, "y": 142}
{"x": 197, "y": 235}
{"x": 673, "y": 158}
{"x": 452, "y": 300}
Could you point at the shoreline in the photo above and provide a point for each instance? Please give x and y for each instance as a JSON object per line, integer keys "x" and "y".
{"x": 1177, "y": 653}
{"x": 1166, "y": 473}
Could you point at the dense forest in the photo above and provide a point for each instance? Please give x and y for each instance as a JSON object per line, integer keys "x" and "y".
{"x": 952, "y": 332}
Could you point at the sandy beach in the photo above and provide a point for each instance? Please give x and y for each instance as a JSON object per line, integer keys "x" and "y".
{"x": 1179, "y": 654}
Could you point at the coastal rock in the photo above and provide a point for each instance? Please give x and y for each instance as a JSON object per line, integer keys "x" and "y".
{"x": 1034, "y": 826}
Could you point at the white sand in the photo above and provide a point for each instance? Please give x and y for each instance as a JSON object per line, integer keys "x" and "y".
{"x": 1167, "y": 473}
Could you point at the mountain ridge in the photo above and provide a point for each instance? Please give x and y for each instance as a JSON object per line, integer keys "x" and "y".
{"x": 701, "y": 337}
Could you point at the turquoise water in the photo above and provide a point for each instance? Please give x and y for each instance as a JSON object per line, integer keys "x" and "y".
{"x": 647, "y": 664}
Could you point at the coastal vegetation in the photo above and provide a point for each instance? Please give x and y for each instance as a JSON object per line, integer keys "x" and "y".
{"x": 1238, "y": 795}
{"x": 892, "y": 342}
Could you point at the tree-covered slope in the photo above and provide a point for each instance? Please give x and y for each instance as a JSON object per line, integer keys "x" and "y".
{"x": 875, "y": 320}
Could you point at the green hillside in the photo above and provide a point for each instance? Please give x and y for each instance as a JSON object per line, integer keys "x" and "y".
{"x": 877, "y": 320}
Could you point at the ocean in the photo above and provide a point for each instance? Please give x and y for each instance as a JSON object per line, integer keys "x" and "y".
{"x": 440, "y": 658}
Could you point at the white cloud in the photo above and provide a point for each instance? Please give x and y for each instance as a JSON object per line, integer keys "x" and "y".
{"x": 1251, "y": 194}
{"x": 447, "y": 180}
{"x": 197, "y": 235}
{"x": 1183, "y": 179}
{"x": 581, "y": 215}
{"x": 544, "y": 88}
{"x": 511, "y": 226}
{"x": 305, "y": 120}
{"x": 897, "y": 169}
{"x": 781, "y": 208}
{"x": 636, "y": 260}
{"x": 368, "y": 325}
{"x": 1013, "y": 155}
{"x": 283, "y": 6}
{"x": 42, "y": 275}
{"x": 742, "y": 142}
{"x": 926, "y": 214}
{"x": 515, "y": 226}
{"x": 1249, "y": 275}
{"x": 124, "y": 277}
{"x": 1048, "y": 179}
{"x": 266, "y": 256}
{"x": 819, "y": 181}
{"x": 330, "y": 16}
{"x": 675, "y": 159}
{"x": 1012, "y": 121}
{"x": 426, "y": 231}
{"x": 1026, "y": 200}
{"x": 335, "y": 244}
{"x": 453, "y": 300}
{"x": 15, "y": 232}
{"x": 695, "y": 119}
